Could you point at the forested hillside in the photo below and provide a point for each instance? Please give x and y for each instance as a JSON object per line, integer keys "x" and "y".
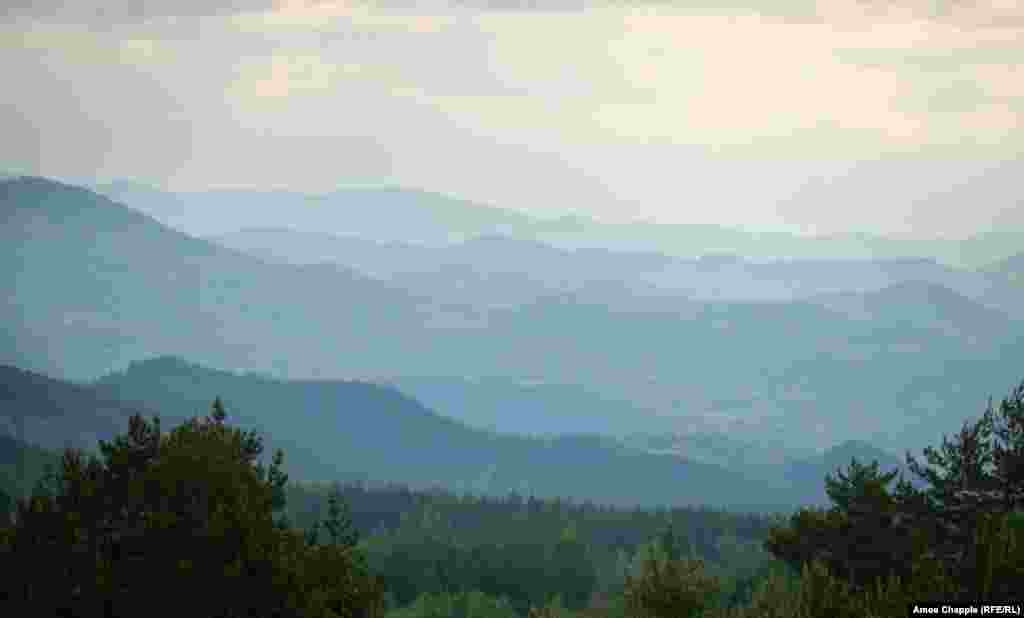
{"x": 21, "y": 465}
{"x": 359, "y": 431}
{"x": 198, "y": 506}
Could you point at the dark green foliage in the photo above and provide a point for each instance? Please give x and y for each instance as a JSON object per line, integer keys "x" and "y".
{"x": 957, "y": 538}
{"x": 339, "y": 524}
{"x": 341, "y": 530}
{"x": 218, "y": 411}
{"x": 191, "y": 510}
{"x": 872, "y": 541}
{"x": 999, "y": 558}
{"x": 1008, "y": 450}
{"x": 669, "y": 588}
{"x": 810, "y": 533}
{"x": 476, "y": 519}
{"x": 808, "y": 472}
{"x": 525, "y": 549}
{"x": 674, "y": 546}
{"x": 570, "y": 569}
{"x": 472, "y": 604}
{"x": 982, "y": 465}
{"x": 22, "y": 465}
{"x": 6, "y": 507}
{"x": 526, "y": 574}
{"x": 860, "y": 538}
{"x": 739, "y": 591}
{"x": 975, "y": 474}
{"x": 196, "y": 510}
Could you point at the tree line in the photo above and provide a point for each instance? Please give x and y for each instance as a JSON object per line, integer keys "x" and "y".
{"x": 191, "y": 522}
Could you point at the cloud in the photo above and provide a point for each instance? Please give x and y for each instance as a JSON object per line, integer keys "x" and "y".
{"x": 964, "y": 12}
{"x": 573, "y": 106}
{"x": 286, "y": 75}
{"x": 93, "y": 12}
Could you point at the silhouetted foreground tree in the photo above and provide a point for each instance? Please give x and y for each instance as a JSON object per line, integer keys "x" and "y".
{"x": 191, "y": 524}
{"x": 959, "y": 537}
{"x": 6, "y": 506}
{"x": 178, "y": 524}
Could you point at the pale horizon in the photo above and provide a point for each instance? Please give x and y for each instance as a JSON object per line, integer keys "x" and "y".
{"x": 812, "y": 117}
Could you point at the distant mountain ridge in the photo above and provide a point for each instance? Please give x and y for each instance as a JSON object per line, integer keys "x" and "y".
{"x": 362, "y": 431}
{"x": 21, "y": 465}
{"x": 55, "y": 413}
{"x": 393, "y": 214}
{"x": 129, "y": 285}
{"x": 384, "y": 213}
{"x": 919, "y": 303}
{"x": 500, "y": 268}
{"x": 805, "y": 472}
{"x": 89, "y": 285}
{"x": 1008, "y": 272}
{"x": 810, "y": 472}
{"x": 513, "y": 406}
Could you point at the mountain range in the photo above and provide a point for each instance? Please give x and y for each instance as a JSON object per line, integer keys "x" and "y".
{"x": 91, "y": 285}
{"x": 54, "y": 414}
{"x": 394, "y": 214}
{"x": 360, "y": 431}
{"x": 504, "y": 271}
{"x": 356, "y": 431}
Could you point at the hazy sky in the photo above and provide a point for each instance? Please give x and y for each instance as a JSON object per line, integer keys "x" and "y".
{"x": 893, "y": 116}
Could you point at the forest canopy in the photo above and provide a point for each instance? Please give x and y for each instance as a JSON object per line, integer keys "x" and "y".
{"x": 197, "y": 509}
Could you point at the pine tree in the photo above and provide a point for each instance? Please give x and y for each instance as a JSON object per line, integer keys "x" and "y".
{"x": 218, "y": 414}
{"x": 956, "y": 536}
{"x": 6, "y": 507}
{"x": 674, "y": 546}
{"x": 339, "y": 525}
{"x": 193, "y": 510}
{"x": 1008, "y": 451}
{"x": 669, "y": 589}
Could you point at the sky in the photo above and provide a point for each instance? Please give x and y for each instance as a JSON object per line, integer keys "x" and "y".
{"x": 900, "y": 117}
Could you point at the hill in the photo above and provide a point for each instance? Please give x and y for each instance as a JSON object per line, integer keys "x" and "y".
{"x": 401, "y": 215}
{"x": 921, "y": 305}
{"x": 91, "y": 285}
{"x": 53, "y": 413}
{"x": 810, "y": 472}
{"x": 40, "y": 416}
{"x": 504, "y": 270}
{"x": 1013, "y": 264}
{"x": 21, "y": 465}
{"x": 529, "y": 408}
{"x": 371, "y": 257}
{"x": 386, "y": 214}
{"x": 753, "y": 458}
{"x": 487, "y": 270}
{"x": 360, "y": 431}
